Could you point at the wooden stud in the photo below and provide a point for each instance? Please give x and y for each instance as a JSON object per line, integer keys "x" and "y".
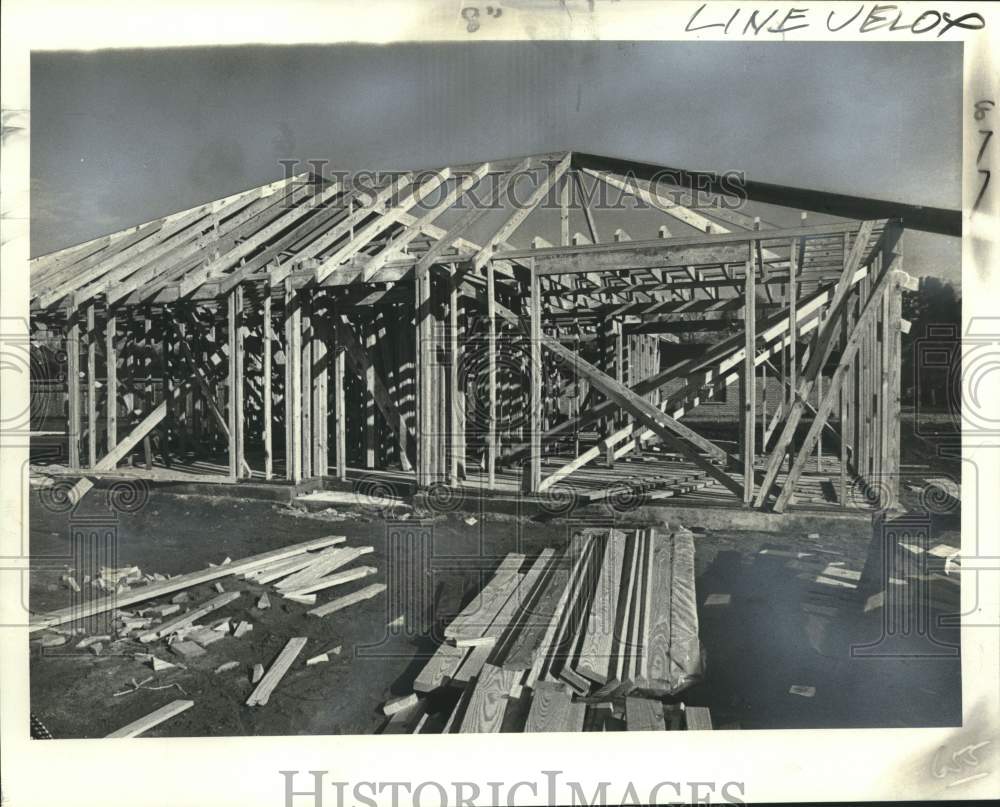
{"x": 293, "y": 470}
{"x": 91, "y": 387}
{"x": 111, "y": 381}
{"x": 306, "y": 369}
{"x": 236, "y": 347}
{"x": 492, "y": 436}
{"x": 537, "y": 380}
{"x": 749, "y": 375}
{"x": 73, "y": 388}
{"x": 339, "y": 412}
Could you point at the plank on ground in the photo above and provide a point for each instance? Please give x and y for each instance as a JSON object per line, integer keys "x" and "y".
{"x": 186, "y": 619}
{"x": 348, "y": 599}
{"x": 285, "y": 659}
{"x": 144, "y": 724}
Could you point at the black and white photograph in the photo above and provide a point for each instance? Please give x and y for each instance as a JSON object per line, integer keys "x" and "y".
{"x": 514, "y": 377}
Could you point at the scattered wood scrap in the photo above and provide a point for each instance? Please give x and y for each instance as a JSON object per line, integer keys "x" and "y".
{"x": 100, "y": 605}
{"x": 276, "y": 672}
{"x": 350, "y": 599}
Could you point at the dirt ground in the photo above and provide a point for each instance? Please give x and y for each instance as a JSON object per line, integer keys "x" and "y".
{"x": 779, "y": 628}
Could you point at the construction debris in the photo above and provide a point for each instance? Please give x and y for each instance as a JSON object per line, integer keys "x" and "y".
{"x": 391, "y": 707}
{"x": 242, "y": 628}
{"x": 320, "y": 659}
{"x": 263, "y": 602}
{"x": 256, "y": 673}
{"x": 229, "y": 665}
{"x": 187, "y": 649}
{"x": 804, "y": 691}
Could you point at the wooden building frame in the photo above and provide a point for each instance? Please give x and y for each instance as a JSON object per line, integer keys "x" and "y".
{"x": 333, "y": 327}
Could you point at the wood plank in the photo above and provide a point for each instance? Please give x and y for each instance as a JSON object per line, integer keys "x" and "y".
{"x": 534, "y": 466}
{"x": 174, "y": 584}
{"x": 111, "y": 360}
{"x": 622, "y": 649}
{"x": 235, "y": 383}
{"x": 697, "y": 718}
{"x": 441, "y": 668}
{"x": 349, "y": 599}
{"x": 329, "y": 561}
{"x": 267, "y": 335}
{"x": 153, "y": 719}
{"x": 333, "y": 580}
{"x": 484, "y": 605}
{"x": 644, "y": 714}
{"x": 489, "y": 700}
{"x": 120, "y": 451}
{"x": 535, "y": 622}
{"x": 550, "y": 707}
{"x": 473, "y": 663}
{"x": 73, "y": 394}
{"x": 184, "y": 620}
{"x": 595, "y": 654}
{"x": 749, "y": 399}
{"x": 284, "y": 568}
{"x": 579, "y": 550}
{"x": 277, "y": 671}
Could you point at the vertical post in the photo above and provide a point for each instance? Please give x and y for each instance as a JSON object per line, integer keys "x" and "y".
{"x": 293, "y": 385}
{"x": 819, "y": 439}
{"x": 491, "y": 347}
{"x": 305, "y": 347}
{"x": 564, "y": 210}
{"x": 235, "y": 301}
{"x": 366, "y": 331}
{"x": 453, "y": 391}
{"x": 763, "y": 408}
{"x": 167, "y": 381}
{"x": 320, "y": 460}
{"x": 793, "y": 332}
{"x": 893, "y": 398}
{"x": 534, "y": 479}
{"x": 73, "y": 387}
{"x": 845, "y": 396}
{"x": 749, "y": 374}
{"x": 267, "y": 335}
{"x": 422, "y": 324}
{"x": 111, "y": 357}
{"x": 91, "y": 387}
{"x": 339, "y": 415}
{"x": 147, "y": 396}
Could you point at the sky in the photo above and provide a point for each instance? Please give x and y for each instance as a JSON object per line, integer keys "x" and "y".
{"x": 121, "y": 137}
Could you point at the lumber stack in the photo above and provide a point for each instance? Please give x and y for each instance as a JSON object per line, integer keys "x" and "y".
{"x": 565, "y": 642}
